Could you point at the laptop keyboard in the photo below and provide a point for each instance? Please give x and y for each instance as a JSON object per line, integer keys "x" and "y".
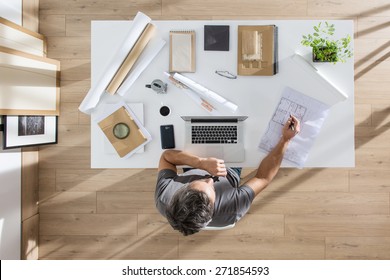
{"x": 214, "y": 134}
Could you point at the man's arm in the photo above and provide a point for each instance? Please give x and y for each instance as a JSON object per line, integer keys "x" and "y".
{"x": 270, "y": 165}
{"x": 171, "y": 158}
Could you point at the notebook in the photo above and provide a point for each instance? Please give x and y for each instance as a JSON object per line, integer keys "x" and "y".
{"x": 215, "y": 136}
{"x": 182, "y": 51}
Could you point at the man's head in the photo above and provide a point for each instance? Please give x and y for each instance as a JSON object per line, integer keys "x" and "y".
{"x": 191, "y": 208}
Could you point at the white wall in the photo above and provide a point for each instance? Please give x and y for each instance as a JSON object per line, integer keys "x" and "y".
{"x": 10, "y": 171}
{"x": 10, "y": 203}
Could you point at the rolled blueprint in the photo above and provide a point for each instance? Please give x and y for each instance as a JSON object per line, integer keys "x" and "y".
{"x": 93, "y": 96}
{"x": 150, "y": 52}
{"x": 206, "y": 92}
{"x": 193, "y": 95}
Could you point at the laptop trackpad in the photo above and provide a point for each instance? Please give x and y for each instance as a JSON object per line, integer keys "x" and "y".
{"x": 216, "y": 152}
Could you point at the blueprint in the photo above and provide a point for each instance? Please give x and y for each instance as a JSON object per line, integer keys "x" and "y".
{"x": 311, "y": 114}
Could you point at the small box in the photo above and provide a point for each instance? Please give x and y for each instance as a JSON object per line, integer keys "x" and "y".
{"x": 216, "y": 37}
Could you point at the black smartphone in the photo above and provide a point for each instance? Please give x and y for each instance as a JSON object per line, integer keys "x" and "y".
{"x": 167, "y": 136}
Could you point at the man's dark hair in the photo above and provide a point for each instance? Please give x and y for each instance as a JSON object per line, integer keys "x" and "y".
{"x": 189, "y": 211}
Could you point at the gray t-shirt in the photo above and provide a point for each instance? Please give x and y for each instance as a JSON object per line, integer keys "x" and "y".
{"x": 231, "y": 200}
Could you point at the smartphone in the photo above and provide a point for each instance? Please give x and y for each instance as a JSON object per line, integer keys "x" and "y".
{"x": 167, "y": 136}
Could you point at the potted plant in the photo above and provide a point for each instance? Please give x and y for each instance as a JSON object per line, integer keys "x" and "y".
{"x": 325, "y": 48}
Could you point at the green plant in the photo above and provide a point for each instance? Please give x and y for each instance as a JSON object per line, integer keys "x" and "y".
{"x": 325, "y": 48}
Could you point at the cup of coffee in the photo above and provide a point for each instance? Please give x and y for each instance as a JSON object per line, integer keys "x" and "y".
{"x": 165, "y": 111}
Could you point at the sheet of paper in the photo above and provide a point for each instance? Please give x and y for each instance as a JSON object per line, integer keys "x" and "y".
{"x": 311, "y": 114}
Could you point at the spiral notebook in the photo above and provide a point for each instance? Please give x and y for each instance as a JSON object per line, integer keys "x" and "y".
{"x": 182, "y": 51}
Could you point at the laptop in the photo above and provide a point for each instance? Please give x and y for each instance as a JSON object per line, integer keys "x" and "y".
{"x": 215, "y": 136}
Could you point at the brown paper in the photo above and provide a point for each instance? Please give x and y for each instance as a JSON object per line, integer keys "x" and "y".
{"x": 131, "y": 58}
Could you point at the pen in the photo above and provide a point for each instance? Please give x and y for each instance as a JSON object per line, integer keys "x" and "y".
{"x": 291, "y": 126}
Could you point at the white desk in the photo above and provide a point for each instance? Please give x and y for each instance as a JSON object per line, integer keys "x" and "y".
{"x": 257, "y": 97}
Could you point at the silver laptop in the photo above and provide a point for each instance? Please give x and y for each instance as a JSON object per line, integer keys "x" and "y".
{"x": 215, "y": 136}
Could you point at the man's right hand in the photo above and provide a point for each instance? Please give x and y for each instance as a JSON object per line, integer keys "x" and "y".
{"x": 214, "y": 166}
{"x": 291, "y": 128}
{"x": 270, "y": 165}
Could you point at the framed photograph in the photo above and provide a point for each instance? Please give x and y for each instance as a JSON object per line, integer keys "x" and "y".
{"x": 24, "y": 131}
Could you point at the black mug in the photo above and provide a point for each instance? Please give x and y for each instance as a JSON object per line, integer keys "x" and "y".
{"x": 165, "y": 111}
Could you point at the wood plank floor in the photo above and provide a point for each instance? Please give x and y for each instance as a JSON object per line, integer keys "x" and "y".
{"x": 305, "y": 214}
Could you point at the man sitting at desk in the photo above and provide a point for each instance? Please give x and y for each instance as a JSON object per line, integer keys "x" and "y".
{"x": 210, "y": 194}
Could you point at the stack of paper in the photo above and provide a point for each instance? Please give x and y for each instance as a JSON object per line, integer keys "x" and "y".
{"x": 122, "y": 114}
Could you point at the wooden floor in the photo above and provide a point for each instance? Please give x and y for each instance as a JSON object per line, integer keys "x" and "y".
{"x": 305, "y": 214}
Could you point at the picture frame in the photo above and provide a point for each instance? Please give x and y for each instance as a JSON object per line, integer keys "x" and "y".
{"x": 27, "y": 131}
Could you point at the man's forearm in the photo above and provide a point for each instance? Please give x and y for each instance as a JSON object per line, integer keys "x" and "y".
{"x": 172, "y": 158}
{"x": 177, "y": 157}
{"x": 270, "y": 165}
